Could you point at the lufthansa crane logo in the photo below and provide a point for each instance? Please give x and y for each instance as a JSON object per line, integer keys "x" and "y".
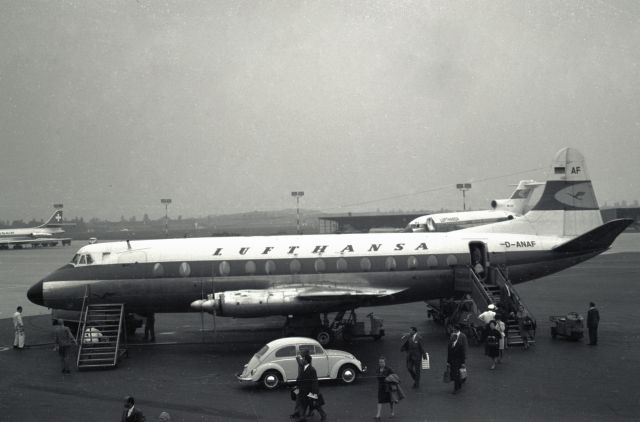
{"x": 578, "y": 196}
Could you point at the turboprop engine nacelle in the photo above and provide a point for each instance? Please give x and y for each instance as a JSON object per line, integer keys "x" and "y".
{"x": 257, "y": 303}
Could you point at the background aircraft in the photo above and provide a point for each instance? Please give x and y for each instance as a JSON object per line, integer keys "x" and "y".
{"x": 307, "y": 276}
{"x": 502, "y": 210}
{"x": 42, "y": 235}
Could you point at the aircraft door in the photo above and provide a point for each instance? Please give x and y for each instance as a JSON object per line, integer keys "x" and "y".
{"x": 479, "y": 261}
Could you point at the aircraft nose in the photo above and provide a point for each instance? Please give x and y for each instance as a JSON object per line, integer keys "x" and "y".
{"x": 35, "y": 293}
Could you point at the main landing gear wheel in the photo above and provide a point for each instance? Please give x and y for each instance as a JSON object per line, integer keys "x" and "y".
{"x": 271, "y": 379}
{"x": 323, "y": 336}
{"x": 348, "y": 374}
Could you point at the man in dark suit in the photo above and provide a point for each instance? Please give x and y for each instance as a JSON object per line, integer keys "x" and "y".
{"x": 456, "y": 357}
{"x": 415, "y": 352}
{"x": 130, "y": 413}
{"x": 308, "y": 390}
{"x": 593, "y": 319}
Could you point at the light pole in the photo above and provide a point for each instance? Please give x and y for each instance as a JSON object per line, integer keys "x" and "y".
{"x": 166, "y": 202}
{"x": 464, "y": 187}
{"x": 297, "y": 195}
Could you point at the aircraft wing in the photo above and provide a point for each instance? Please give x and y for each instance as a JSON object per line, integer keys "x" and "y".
{"x": 331, "y": 292}
{"x": 37, "y": 241}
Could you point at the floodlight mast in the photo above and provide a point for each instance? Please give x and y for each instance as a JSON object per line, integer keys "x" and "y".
{"x": 297, "y": 195}
{"x": 464, "y": 187}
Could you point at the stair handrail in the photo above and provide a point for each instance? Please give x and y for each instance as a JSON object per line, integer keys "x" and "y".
{"x": 82, "y": 323}
{"x": 83, "y": 311}
{"x": 485, "y": 295}
{"x": 120, "y": 322}
{"x": 513, "y": 295}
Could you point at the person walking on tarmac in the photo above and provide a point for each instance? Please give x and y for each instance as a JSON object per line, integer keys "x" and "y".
{"x": 18, "y": 327}
{"x": 415, "y": 352}
{"x": 308, "y": 391}
{"x": 64, "y": 340}
{"x": 593, "y": 319}
{"x": 456, "y": 357}
{"x": 130, "y": 413}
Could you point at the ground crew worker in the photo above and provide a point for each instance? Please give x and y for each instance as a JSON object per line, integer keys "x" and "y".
{"x": 64, "y": 340}
{"x": 593, "y": 319}
{"x": 18, "y": 327}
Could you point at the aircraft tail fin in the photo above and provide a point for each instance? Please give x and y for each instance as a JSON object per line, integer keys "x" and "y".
{"x": 518, "y": 202}
{"x": 567, "y": 206}
{"x": 55, "y": 220}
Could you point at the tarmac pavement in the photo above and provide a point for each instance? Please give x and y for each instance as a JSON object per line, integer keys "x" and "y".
{"x": 190, "y": 373}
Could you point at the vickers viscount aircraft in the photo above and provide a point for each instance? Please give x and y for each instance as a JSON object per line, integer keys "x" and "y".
{"x": 35, "y": 236}
{"x": 501, "y": 210}
{"x": 315, "y": 274}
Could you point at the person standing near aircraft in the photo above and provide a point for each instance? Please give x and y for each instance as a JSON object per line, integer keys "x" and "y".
{"x": 456, "y": 357}
{"x": 149, "y": 328}
{"x": 593, "y": 319}
{"x": 492, "y": 343}
{"x": 18, "y": 327}
{"x": 415, "y": 352}
{"x": 501, "y": 326}
{"x": 64, "y": 340}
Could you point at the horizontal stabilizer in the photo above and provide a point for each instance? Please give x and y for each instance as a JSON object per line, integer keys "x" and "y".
{"x": 599, "y": 238}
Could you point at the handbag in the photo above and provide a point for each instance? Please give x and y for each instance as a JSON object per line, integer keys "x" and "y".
{"x": 425, "y": 362}
{"x": 446, "y": 377}
{"x": 463, "y": 373}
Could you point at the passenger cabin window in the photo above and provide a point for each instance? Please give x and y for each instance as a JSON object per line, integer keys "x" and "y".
{"x": 320, "y": 266}
{"x": 390, "y": 264}
{"x": 341, "y": 265}
{"x": 270, "y": 267}
{"x": 295, "y": 266}
{"x": 365, "y": 264}
{"x": 250, "y": 267}
{"x": 286, "y": 352}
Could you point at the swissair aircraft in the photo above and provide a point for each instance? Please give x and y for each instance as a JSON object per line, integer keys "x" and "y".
{"x": 35, "y": 236}
{"x": 310, "y": 275}
{"x": 502, "y": 210}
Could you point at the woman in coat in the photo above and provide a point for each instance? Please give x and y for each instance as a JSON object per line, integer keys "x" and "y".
{"x": 384, "y": 390}
{"x": 492, "y": 343}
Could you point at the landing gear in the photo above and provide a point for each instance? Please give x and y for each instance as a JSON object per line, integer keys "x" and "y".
{"x": 344, "y": 326}
{"x": 310, "y": 326}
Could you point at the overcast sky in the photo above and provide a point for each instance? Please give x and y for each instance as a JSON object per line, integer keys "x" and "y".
{"x": 228, "y": 106}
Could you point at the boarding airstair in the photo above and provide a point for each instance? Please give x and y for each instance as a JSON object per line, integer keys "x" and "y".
{"x": 101, "y": 336}
{"x": 495, "y": 288}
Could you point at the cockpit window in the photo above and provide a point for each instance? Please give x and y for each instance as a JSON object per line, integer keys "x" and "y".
{"x": 82, "y": 259}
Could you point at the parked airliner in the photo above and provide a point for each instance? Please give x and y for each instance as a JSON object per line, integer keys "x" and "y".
{"x": 501, "y": 210}
{"x": 42, "y": 235}
{"x": 314, "y": 274}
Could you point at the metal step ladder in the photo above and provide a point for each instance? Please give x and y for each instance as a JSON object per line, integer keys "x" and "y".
{"x": 100, "y": 340}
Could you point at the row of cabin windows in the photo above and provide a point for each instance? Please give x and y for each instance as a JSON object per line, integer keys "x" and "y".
{"x": 295, "y": 266}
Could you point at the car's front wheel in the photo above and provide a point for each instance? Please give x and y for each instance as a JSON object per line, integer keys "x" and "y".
{"x": 271, "y": 379}
{"x": 348, "y": 374}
